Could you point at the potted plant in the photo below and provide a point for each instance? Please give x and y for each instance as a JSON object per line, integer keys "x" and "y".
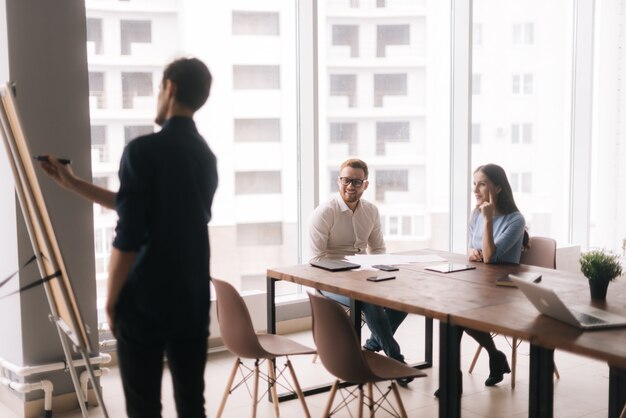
{"x": 600, "y": 268}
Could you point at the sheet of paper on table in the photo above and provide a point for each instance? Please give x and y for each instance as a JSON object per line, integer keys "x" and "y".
{"x": 368, "y": 260}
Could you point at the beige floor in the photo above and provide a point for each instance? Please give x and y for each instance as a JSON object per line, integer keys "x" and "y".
{"x": 582, "y": 390}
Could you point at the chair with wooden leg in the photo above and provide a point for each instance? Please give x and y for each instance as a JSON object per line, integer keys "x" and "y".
{"x": 240, "y": 338}
{"x": 347, "y": 310}
{"x": 541, "y": 253}
{"x": 341, "y": 354}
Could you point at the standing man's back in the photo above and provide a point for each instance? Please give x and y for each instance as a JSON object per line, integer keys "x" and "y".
{"x": 167, "y": 183}
{"x": 158, "y": 290}
{"x": 159, "y": 294}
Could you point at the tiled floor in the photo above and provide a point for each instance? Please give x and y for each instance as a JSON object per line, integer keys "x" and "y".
{"x": 582, "y": 390}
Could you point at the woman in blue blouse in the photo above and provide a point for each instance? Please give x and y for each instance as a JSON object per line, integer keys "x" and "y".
{"x": 497, "y": 235}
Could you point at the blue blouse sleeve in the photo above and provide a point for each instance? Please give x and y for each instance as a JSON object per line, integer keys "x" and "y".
{"x": 131, "y": 201}
{"x": 509, "y": 235}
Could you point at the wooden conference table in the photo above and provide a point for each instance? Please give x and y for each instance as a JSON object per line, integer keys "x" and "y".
{"x": 471, "y": 299}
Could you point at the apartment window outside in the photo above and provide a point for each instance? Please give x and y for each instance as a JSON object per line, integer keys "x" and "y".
{"x": 260, "y": 234}
{"x": 133, "y": 131}
{"x": 476, "y": 84}
{"x": 94, "y": 35}
{"x": 522, "y": 84}
{"x": 134, "y": 32}
{"x": 521, "y": 133}
{"x": 528, "y": 84}
{"x": 521, "y": 182}
{"x": 347, "y": 35}
{"x": 344, "y": 85}
{"x": 391, "y": 35}
{"x": 134, "y": 86}
{"x": 257, "y": 182}
{"x": 388, "y": 85}
{"x": 96, "y": 90}
{"x": 99, "y": 150}
{"x": 257, "y": 130}
{"x": 255, "y": 23}
{"x": 387, "y": 132}
{"x": 397, "y": 226}
{"x": 256, "y": 77}
{"x": 523, "y": 33}
{"x": 391, "y": 181}
{"x": 344, "y": 133}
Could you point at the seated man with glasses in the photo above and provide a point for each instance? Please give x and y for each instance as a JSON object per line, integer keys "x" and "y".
{"x": 348, "y": 225}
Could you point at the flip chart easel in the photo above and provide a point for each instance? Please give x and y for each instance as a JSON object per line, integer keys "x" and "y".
{"x": 64, "y": 312}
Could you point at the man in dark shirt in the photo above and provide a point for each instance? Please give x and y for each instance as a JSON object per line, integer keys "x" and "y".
{"x": 158, "y": 291}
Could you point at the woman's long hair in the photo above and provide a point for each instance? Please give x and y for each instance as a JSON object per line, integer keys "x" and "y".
{"x": 505, "y": 203}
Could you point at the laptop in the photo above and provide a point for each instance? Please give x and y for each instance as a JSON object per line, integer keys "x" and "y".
{"x": 582, "y": 316}
{"x": 334, "y": 265}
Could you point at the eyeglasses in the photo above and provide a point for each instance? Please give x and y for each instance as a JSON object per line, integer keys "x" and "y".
{"x": 355, "y": 182}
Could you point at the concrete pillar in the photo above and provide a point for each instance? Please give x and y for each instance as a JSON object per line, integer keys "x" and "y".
{"x": 43, "y": 50}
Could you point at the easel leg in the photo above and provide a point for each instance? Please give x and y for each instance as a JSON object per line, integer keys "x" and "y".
{"x": 96, "y": 387}
{"x": 70, "y": 365}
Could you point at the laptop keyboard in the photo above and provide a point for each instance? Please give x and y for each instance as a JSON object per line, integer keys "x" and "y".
{"x": 588, "y": 319}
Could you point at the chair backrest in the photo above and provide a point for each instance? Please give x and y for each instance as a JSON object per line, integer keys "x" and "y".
{"x": 236, "y": 326}
{"x": 337, "y": 344}
{"x": 542, "y": 253}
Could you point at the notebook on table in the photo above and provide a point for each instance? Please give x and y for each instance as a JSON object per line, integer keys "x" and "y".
{"x": 449, "y": 267}
{"x": 507, "y": 281}
{"x": 334, "y": 265}
{"x": 582, "y": 316}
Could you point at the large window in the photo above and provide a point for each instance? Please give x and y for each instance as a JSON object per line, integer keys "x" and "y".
{"x": 389, "y": 105}
{"x": 382, "y": 73}
{"x": 249, "y": 120}
{"x": 608, "y": 179}
{"x": 538, "y": 114}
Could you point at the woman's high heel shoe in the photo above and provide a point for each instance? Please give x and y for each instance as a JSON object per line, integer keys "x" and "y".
{"x": 498, "y": 366}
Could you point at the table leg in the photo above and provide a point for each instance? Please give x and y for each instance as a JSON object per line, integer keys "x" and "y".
{"x": 355, "y": 316}
{"x": 270, "y": 284}
{"x": 541, "y": 387}
{"x": 449, "y": 371}
{"x": 617, "y": 391}
{"x": 271, "y": 305}
{"x": 428, "y": 342}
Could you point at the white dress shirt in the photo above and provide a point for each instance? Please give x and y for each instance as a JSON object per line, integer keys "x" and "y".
{"x": 335, "y": 231}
